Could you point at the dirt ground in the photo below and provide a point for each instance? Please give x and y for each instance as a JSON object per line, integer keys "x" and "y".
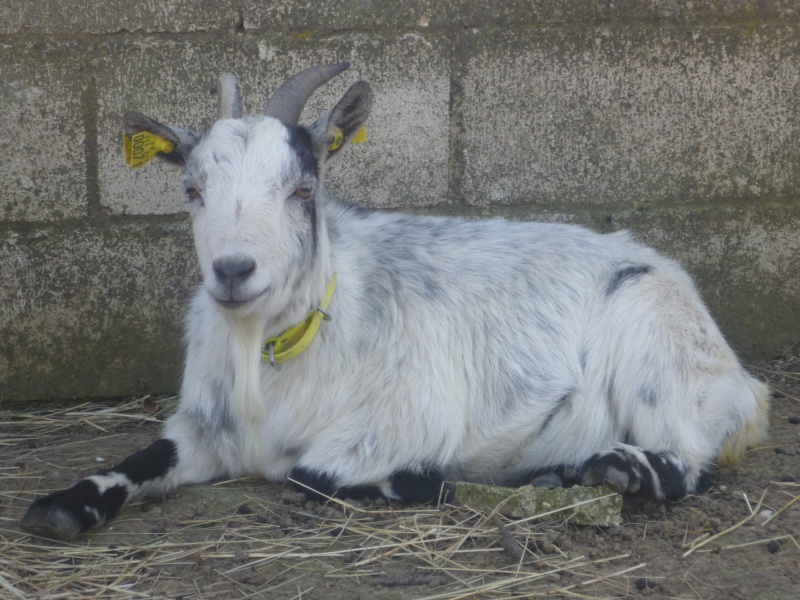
{"x": 249, "y": 538}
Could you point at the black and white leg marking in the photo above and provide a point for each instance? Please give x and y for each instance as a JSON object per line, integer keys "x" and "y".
{"x": 632, "y": 470}
{"x": 405, "y": 486}
{"x": 417, "y": 486}
{"x": 89, "y": 503}
{"x": 320, "y": 486}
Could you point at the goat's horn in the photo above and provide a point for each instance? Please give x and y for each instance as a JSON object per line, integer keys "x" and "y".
{"x": 229, "y": 99}
{"x": 288, "y": 101}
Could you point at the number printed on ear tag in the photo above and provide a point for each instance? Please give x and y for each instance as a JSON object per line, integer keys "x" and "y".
{"x": 143, "y": 146}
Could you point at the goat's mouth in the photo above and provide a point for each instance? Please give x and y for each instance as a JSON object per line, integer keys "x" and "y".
{"x": 231, "y": 302}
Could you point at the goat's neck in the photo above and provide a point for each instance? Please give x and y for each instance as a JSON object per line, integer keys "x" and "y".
{"x": 305, "y": 287}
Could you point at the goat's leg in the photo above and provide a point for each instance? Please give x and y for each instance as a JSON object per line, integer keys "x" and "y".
{"x": 89, "y": 503}
{"x": 632, "y": 470}
{"x": 406, "y": 485}
{"x": 626, "y": 468}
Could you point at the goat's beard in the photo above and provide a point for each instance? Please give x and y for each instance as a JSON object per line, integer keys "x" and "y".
{"x": 246, "y": 337}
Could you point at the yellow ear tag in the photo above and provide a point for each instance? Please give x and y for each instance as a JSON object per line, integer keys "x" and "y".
{"x": 360, "y": 137}
{"x": 143, "y": 146}
{"x": 338, "y": 138}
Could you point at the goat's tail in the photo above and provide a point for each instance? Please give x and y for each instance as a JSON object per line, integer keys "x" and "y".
{"x": 752, "y": 431}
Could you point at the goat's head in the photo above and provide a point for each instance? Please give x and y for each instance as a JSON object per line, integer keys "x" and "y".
{"x": 254, "y": 185}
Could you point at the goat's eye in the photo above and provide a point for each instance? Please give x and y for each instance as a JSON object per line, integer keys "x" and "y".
{"x": 193, "y": 194}
{"x": 304, "y": 192}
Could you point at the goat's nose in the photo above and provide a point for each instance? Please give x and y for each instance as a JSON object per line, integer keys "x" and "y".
{"x": 234, "y": 269}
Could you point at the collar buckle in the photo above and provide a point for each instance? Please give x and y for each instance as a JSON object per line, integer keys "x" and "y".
{"x": 270, "y": 348}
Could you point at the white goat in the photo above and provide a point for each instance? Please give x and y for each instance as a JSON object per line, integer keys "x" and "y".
{"x": 476, "y": 350}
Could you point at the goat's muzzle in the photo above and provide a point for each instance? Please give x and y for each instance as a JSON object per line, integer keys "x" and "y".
{"x": 232, "y": 275}
{"x": 234, "y": 270}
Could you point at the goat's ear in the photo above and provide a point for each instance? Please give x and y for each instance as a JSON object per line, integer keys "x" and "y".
{"x": 182, "y": 141}
{"x": 333, "y": 130}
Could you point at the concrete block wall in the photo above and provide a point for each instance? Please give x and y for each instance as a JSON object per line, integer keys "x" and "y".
{"x": 679, "y": 120}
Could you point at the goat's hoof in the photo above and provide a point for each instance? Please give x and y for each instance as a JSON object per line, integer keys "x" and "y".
{"x": 53, "y": 517}
{"x": 615, "y": 468}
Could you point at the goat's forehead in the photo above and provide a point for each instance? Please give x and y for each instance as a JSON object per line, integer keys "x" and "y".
{"x": 249, "y": 128}
{"x": 265, "y": 145}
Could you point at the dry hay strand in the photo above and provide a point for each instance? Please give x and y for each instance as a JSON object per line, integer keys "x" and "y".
{"x": 699, "y": 544}
{"x": 456, "y": 551}
{"x": 447, "y": 552}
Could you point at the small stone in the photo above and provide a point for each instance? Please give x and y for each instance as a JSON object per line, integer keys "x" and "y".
{"x": 149, "y": 405}
{"x": 765, "y": 515}
{"x": 644, "y": 582}
{"x": 330, "y": 512}
{"x": 585, "y": 505}
{"x": 244, "y": 510}
{"x": 788, "y": 479}
{"x": 290, "y": 497}
{"x": 782, "y": 451}
{"x": 773, "y": 547}
{"x": 511, "y": 512}
{"x": 549, "y": 548}
{"x": 794, "y": 420}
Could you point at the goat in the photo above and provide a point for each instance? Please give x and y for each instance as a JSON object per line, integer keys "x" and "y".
{"x": 480, "y": 350}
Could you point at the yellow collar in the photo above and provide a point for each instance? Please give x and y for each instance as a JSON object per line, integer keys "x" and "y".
{"x": 292, "y": 342}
